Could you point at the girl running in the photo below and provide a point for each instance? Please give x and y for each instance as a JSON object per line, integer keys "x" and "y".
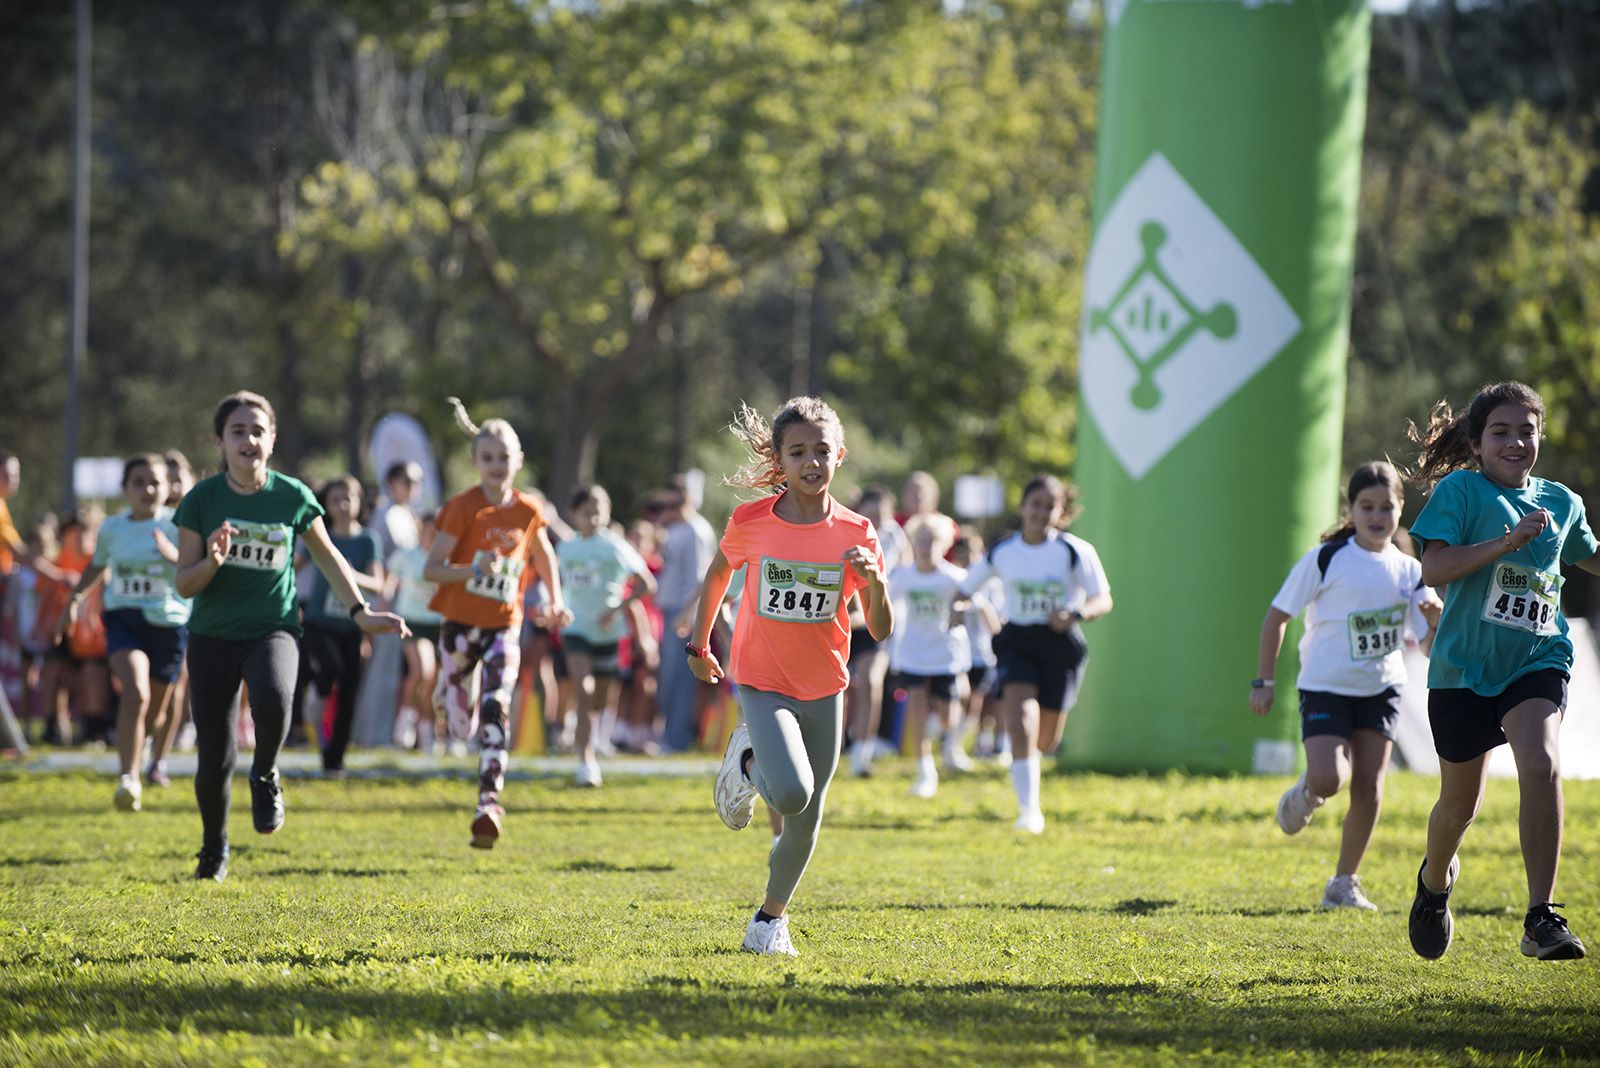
{"x": 603, "y": 577}
{"x": 808, "y": 556}
{"x": 982, "y": 623}
{"x": 164, "y": 732}
{"x": 488, "y": 535}
{"x": 410, "y": 593}
{"x": 1361, "y": 596}
{"x": 1052, "y": 582}
{"x": 145, "y": 619}
{"x": 930, "y": 647}
{"x": 1497, "y": 538}
{"x": 236, "y": 540}
{"x": 333, "y": 642}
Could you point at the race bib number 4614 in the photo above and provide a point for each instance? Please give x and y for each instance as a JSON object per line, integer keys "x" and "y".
{"x": 259, "y": 546}
{"x": 1524, "y": 598}
{"x": 794, "y": 591}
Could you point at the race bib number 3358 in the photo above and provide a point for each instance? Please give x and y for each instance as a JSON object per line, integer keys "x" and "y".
{"x": 794, "y": 591}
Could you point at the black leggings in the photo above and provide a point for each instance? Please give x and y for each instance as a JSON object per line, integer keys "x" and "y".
{"x": 332, "y": 659}
{"x": 267, "y": 665}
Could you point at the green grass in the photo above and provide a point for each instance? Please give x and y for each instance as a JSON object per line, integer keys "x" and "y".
{"x": 1158, "y": 920}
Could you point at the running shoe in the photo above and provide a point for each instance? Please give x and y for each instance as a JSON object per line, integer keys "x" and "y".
{"x": 266, "y": 802}
{"x": 734, "y": 795}
{"x": 1431, "y": 924}
{"x": 1031, "y": 821}
{"x": 588, "y": 773}
{"x": 213, "y": 864}
{"x": 127, "y": 795}
{"x": 1297, "y": 806}
{"x": 157, "y": 774}
{"x": 955, "y": 758}
{"x": 1545, "y": 935}
{"x": 486, "y": 825}
{"x": 769, "y": 936}
{"x": 1345, "y": 892}
{"x": 927, "y": 782}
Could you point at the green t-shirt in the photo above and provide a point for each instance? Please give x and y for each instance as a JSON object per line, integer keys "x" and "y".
{"x": 252, "y": 593}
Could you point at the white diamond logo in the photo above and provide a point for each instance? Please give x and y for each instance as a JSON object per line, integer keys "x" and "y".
{"x": 1177, "y": 317}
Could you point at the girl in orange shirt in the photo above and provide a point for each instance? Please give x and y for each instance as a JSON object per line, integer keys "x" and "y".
{"x": 805, "y": 555}
{"x": 487, "y": 538}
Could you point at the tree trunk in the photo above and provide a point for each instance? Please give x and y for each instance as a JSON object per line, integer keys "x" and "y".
{"x": 575, "y": 448}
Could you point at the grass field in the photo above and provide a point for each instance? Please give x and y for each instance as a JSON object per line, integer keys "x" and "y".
{"x": 1158, "y": 920}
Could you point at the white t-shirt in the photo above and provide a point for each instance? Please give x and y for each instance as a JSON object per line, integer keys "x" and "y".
{"x": 980, "y": 639}
{"x": 925, "y": 643}
{"x": 1060, "y": 573}
{"x": 1358, "y": 615}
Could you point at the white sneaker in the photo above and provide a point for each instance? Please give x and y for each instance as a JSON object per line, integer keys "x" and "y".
{"x": 1297, "y": 806}
{"x": 588, "y": 773}
{"x": 1031, "y": 821}
{"x": 128, "y": 794}
{"x": 733, "y": 794}
{"x": 861, "y": 760}
{"x": 956, "y": 759}
{"x": 769, "y": 936}
{"x": 1344, "y": 892}
{"x": 927, "y": 783}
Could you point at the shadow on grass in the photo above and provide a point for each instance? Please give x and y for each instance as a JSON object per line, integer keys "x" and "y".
{"x": 34, "y": 862}
{"x": 336, "y": 873}
{"x": 607, "y": 866}
{"x": 1134, "y": 1016}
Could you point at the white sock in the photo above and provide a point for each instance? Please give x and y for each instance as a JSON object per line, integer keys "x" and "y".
{"x": 926, "y": 768}
{"x": 861, "y": 753}
{"x": 1025, "y": 777}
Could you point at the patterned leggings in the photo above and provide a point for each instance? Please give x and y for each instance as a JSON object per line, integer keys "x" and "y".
{"x": 457, "y": 696}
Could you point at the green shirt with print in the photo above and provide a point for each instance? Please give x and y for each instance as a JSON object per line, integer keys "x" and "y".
{"x": 253, "y": 592}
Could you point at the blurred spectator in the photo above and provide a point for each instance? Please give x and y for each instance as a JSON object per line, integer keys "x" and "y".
{"x": 686, "y": 553}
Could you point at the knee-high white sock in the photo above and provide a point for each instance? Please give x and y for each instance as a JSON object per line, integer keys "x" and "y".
{"x": 1025, "y": 778}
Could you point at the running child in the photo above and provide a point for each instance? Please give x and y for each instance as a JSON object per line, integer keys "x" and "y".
{"x": 409, "y": 593}
{"x": 1496, "y": 538}
{"x": 1361, "y": 596}
{"x": 1052, "y": 582}
{"x": 869, "y": 662}
{"x": 164, "y": 732}
{"x": 145, "y": 619}
{"x": 982, "y": 716}
{"x": 930, "y": 650}
{"x": 488, "y": 536}
{"x": 603, "y": 577}
{"x": 808, "y": 556}
{"x": 236, "y": 540}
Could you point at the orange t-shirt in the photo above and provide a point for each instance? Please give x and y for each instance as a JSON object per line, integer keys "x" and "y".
{"x": 793, "y": 632}
{"x": 87, "y": 638}
{"x": 500, "y": 540}
{"x": 10, "y": 540}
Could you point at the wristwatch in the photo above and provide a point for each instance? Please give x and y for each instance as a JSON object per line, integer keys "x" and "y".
{"x": 694, "y": 651}
{"x": 1262, "y": 684}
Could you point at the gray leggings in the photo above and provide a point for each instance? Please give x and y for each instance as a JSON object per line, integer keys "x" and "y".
{"x": 796, "y": 746}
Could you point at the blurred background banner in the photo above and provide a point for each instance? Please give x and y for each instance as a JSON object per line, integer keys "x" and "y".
{"x": 1214, "y": 329}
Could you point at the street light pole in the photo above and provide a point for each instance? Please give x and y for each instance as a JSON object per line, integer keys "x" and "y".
{"x": 79, "y": 289}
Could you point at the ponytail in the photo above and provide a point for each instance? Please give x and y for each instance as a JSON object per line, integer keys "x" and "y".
{"x": 498, "y": 429}
{"x": 1446, "y": 444}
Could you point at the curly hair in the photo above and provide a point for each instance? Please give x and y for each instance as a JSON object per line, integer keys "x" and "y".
{"x": 1448, "y": 439}
{"x": 764, "y": 471}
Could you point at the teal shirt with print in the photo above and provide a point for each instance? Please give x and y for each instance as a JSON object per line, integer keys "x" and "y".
{"x": 137, "y": 575}
{"x": 594, "y": 580}
{"x": 1502, "y": 621}
{"x": 252, "y": 593}
{"x": 325, "y": 609}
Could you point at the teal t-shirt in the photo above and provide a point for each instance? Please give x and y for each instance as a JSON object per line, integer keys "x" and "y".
{"x": 252, "y": 593}
{"x": 594, "y": 580}
{"x": 137, "y": 575}
{"x": 325, "y": 609}
{"x": 1502, "y": 621}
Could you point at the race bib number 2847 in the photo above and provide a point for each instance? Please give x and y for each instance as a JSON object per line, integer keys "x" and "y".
{"x": 794, "y": 591}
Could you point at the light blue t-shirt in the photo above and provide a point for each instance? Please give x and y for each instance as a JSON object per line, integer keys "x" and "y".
{"x": 137, "y": 575}
{"x": 594, "y": 579}
{"x": 1502, "y": 621}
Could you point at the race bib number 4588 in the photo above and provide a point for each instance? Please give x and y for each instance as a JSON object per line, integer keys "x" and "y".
{"x": 794, "y": 591}
{"x": 1524, "y": 598}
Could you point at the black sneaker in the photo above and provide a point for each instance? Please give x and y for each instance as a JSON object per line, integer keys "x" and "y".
{"x": 1545, "y": 935}
{"x": 1431, "y": 923}
{"x": 213, "y": 864}
{"x": 266, "y": 802}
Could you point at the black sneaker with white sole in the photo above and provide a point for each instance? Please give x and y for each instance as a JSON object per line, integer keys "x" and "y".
{"x": 266, "y": 802}
{"x": 213, "y": 864}
{"x": 1431, "y": 923}
{"x": 1545, "y": 934}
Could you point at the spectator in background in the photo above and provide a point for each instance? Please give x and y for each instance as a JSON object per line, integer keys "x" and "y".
{"x": 686, "y": 553}
{"x": 396, "y": 520}
{"x": 77, "y": 676}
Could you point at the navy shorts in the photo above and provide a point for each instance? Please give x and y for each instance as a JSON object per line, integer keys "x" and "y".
{"x": 1041, "y": 656}
{"x": 1466, "y": 724}
{"x": 1337, "y": 714}
{"x": 980, "y": 679}
{"x": 604, "y": 654}
{"x": 940, "y": 687}
{"x": 861, "y": 644}
{"x": 126, "y": 628}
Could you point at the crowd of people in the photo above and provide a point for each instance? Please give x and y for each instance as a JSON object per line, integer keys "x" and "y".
{"x": 246, "y": 590}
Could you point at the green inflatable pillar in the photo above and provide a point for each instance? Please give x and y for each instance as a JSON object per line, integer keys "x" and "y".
{"x": 1212, "y": 361}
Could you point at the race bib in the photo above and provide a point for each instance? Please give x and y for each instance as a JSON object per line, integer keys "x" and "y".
{"x": 499, "y": 578}
{"x": 1524, "y": 598}
{"x": 927, "y": 606}
{"x": 259, "y": 546}
{"x": 1035, "y": 601}
{"x": 140, "y": 582}
{"x": 797, "y": 592}
{"x": 1376, "y": 633}
{"x": 584, "y": 576}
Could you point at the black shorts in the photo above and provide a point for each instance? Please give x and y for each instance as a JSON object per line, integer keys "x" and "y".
{"x": 1039, "y": 655}
{"x": 861, "y": 643}
{"x": 980, "y": 679}
{"x": 604, "y": 654}
{"x": 127, "y": 628}
{"x": 940, "y": 687}
{"x": 1466, "y": 724}
{"x": 1339, "y": 715}
{"x": 424, "y": 632}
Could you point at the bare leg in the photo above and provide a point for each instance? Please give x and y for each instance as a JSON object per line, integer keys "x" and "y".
{"x": 1533, "y": 728}
{"x": 1369, "y": 761}
{"x": 132, "y": 667}
{"x": 1460, "y": 794}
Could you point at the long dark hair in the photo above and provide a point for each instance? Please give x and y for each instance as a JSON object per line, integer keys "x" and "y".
{"x": 1064, "y": 493}
{"x": 1447, "y": 442}
{"x": 1378, "y": 473}
{"x": 232, "y": 401}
